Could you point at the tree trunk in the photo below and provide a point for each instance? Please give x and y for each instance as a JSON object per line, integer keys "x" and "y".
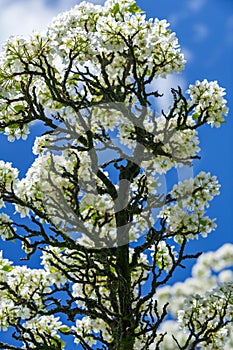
{"x": 123, "y": 335}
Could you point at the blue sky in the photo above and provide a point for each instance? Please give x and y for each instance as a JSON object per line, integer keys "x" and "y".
{"x": 205, "y": 32}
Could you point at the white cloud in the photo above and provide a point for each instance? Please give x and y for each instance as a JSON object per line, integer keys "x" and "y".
{"x": 178, "y": 16}
{"x": 201, "y": 31}
{"x": 188, "y": 54}
{"x": 196, "y": 5}
{"x": 164, "y": 85}
{"x": 21, "y": 17}
{"x": 229, "y": 30}
{"x": 187, "y": 11}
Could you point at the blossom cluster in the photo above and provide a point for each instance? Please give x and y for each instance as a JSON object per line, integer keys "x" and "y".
{"x": 48, "y": 188}
{"x": 204, "y": 313}
{"x": 87, "y": 326}
{"x": 22, "y": 286}
{"x": 90, "y": 29}
{"x": 185, "y": 213}
{"x": 83, "y": 78}
{"x": 201, "y": 298}
{"x": 177, "y": 146}
{"x": 45, "y": 330}
{"x": 209, "y": 101}
{"x": 8, "y": 177}
{"x": 5, "y": 226}
{"x": 22, "y": 291}
{"x": 75, "y": 40}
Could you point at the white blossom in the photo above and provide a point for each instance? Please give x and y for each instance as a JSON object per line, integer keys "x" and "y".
{"x": 210, "y": 101}
{"x": 82, "y": 78}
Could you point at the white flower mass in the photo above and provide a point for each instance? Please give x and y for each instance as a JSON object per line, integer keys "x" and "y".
{"x": 82, "y": 50}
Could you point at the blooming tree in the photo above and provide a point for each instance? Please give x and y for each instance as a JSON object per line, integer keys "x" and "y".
{"x": 94, "y": 204}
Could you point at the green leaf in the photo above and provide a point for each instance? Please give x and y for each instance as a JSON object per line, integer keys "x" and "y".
{"x": 116, "y": 8}
{"x": 64, "y": 329}
{"x": 13, "y": 126}
{"x": 195, "y": 116}
{"x": 19, "y": 108}
{"x": 112, "y": 269}
{"x": 203, "y": 222}
{"x": 134, "y": 8}
{"x": 55, "y": 341}
{"x": 53, "y": 269}
{"x": 7, "y": 268}
{"x": 160, "y": 265}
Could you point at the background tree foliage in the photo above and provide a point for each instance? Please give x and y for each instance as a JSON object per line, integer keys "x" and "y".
{"x": 92, "y": 205}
